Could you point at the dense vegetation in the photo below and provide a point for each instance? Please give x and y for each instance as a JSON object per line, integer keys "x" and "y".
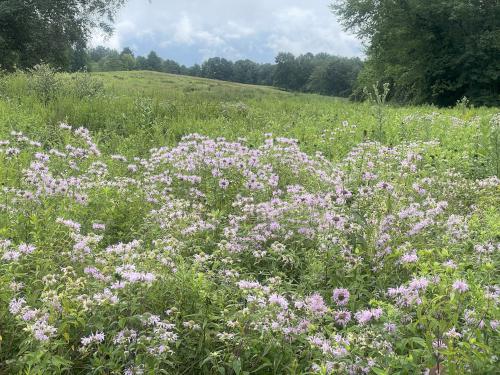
{"x": 430, "y": 51}
{"x": 153, "y": 223}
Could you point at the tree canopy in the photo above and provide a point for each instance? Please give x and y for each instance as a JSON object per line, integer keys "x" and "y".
{"x": 321, "y": 73}
{"x": 218, "y": 68}
{"x": 430, "y": 51}
{"x": 53, "y": 31}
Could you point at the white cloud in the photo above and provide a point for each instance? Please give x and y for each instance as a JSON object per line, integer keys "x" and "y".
{"x": 183, "y": 30}
{"x": 232, "y": 29}
{"x": 300, "y": 30}
{"x": 123, "y": 28}
{"x": 236, "y": 31}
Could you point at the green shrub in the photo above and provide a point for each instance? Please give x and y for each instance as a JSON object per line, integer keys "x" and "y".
{"x": 85, "y": 85}
{"x": 44, "y": 82}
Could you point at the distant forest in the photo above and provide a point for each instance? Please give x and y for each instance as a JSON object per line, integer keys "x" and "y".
{"x": 321, "y": 73}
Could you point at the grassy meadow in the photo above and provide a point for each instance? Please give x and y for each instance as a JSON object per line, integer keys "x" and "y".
{"x": 140, "y": 110}
{"x": 160, "y": 224}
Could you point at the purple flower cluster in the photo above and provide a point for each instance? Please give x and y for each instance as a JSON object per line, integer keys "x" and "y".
{"x": 246, "y": 243}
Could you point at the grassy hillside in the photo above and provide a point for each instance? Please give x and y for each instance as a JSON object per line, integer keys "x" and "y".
{"x": 140, "y": 110}
{"x": 156, "y": 224}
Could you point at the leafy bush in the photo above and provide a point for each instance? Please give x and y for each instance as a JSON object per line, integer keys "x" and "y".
{"x": 44, "y": 82}
{"x": 86, "y": 86}
{"x": 234, "y": 110}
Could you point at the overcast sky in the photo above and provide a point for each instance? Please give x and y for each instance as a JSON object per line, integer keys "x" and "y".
{"x": 190, "y": 31}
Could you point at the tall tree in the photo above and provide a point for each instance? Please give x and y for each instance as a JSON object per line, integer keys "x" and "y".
{"x": 127, "y": 51}
{"x": 195, "y": 70}
{"x": 154, "y": 62}
{"x": 112, "y": 63}
{"x": 79, "y": 58}
{"x": 171, "y": 66}
{"x": 246, "y": 71}
{"x": 286, "y": 71}
{"x": 128, "y": 61}
{"x": 265, "y": 74}
{"x": 49, "y": 30}
{"x": 304, "y": 68}
{"x": 99, "y": 53}
{"x": 141, "y": 63}
{"x": 335, "y": 76}
{"x": 217, "y": 68}
{"x": 432, "y": 51}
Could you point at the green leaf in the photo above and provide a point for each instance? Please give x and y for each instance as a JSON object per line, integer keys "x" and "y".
{"x": 419, "y": 341}
{"x": 237, "y": 366}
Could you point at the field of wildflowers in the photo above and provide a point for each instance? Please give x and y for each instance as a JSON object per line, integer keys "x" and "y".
{"x": 293, "y": 241}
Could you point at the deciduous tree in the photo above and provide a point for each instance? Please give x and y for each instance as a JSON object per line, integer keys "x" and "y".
{"x": 432, "y": 51}
{"x": 32, "y": 31}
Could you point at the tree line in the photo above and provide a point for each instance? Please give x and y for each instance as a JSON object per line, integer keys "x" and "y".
{"x": 321, "y": 73}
